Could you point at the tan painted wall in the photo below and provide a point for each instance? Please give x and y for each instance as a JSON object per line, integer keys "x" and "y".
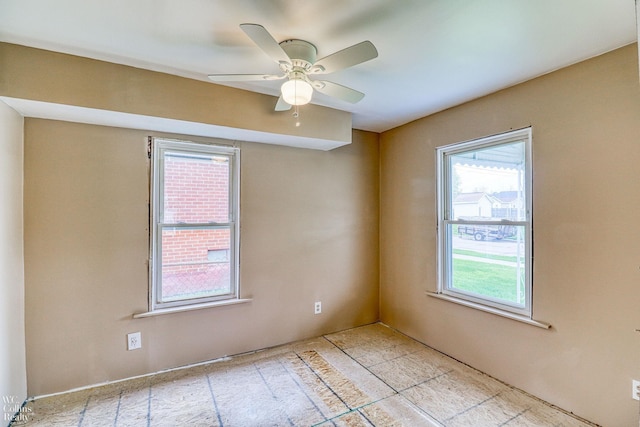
{"x": 586, "y": 157}
{"x": 309, "y": 232}
{"x": 13, "y": 375}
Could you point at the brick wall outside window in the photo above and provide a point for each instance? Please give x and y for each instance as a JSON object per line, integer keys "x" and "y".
{"x": 196, "y": 191}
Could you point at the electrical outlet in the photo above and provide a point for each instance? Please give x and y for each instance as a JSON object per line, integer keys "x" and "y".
{"x": 317, "y": 307}
{"x": 634, "y": 389}
{"x": 134, "y": 341}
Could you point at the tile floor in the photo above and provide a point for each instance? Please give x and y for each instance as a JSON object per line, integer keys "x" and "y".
{"x": 367, "y": 376}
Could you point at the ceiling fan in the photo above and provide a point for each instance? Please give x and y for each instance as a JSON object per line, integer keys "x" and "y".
{"x": 297, "y": 61}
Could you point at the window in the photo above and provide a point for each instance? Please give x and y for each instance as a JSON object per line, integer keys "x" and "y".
{"x": 194, "y": 247}
{"x": 484, "y": 222}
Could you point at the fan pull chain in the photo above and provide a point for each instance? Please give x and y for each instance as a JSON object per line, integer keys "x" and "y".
{"x": 296, "y": 115}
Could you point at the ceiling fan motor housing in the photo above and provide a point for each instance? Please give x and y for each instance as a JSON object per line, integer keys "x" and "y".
{"x": 302, "y": 53}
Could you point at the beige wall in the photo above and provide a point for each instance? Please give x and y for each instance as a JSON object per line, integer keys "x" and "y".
{"x": 309, "y": 224}
{"x": 586, "y": 157}
{"x": 13, "y": 380}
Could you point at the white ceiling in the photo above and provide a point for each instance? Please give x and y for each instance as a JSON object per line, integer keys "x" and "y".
{"x": 433, "y": 54}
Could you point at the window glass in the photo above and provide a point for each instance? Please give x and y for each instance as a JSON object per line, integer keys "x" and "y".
{"x": 187, "y": 270}
{"x": 489, "y": 182}
{"x": 196, "y": 188}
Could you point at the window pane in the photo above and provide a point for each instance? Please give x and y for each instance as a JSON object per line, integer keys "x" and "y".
{"x": 488, "y": 261}
{"x": 188, "y": 268}
{"x": 488, "y": 183}
{"x": 196, "y": 188}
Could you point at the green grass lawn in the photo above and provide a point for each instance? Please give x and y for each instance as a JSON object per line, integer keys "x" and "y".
{"x": 511, "y": 258}
{"x": 497, "y": 281}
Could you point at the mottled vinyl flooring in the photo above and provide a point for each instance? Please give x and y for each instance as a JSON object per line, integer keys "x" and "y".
{"x": 367, "y": 376}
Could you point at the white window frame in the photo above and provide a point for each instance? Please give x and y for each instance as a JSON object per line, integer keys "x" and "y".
{"x": 158, "y": 148}
{"x": 444, "y": 218}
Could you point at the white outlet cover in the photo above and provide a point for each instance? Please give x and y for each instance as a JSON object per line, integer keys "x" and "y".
{"x": 317, "y": 307}
{"x": 634, "y": 389}
{"x": 134, "y": 341}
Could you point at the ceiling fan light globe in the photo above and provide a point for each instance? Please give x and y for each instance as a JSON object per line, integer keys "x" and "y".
{"x": 296, "y": 92}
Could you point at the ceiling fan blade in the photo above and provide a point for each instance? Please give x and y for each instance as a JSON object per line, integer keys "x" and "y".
{"x": 266, "y": 42}
{"x": 338, "y": 91}
{"x": 243, "y": 77}
{"x": 348, "y": 57}
{"x": 281, "y": 105}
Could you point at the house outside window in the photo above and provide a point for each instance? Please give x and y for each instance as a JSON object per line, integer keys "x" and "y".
{"x": 484, "y": 222}
{"x": 195, "y": 230}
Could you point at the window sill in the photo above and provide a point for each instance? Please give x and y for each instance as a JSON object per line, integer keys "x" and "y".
{"x": 192, "y": 307}
{"x": 491, "y": 310}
